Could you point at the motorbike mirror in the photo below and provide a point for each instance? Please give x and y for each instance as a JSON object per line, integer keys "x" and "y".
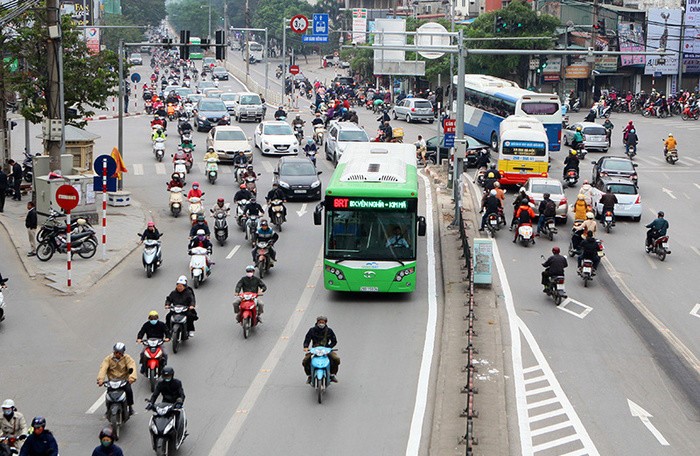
{"x": 276, "y": 173}
{"x": 421, "y": 226}
{"x": 317, "y": 213}
{"x": 138, "y": 234}
{"x": 635, "y": 165}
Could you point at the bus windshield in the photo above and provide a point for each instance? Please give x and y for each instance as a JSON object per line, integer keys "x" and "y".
{"x": 539, "y": 108}
{"x": 256, "y": 47}
{"x": 370, "y": 235}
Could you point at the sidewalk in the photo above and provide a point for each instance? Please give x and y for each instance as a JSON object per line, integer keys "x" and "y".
{"x": 122, "y": 225}
{"x": 490, "y": 432}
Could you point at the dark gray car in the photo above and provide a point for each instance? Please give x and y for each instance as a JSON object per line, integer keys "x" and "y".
{"x": 210, "y": 112}
{"x": 298, "y": 178}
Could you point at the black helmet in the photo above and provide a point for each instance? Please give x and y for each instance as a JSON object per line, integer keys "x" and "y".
{"x": 546, "y": 195}
{"x": 525, "y": 201}
{"x": 39, "y": 421}
{"x": 168, "y": 371}
{"x": 661, "y": 213}
{"x": 107, "y": 432}
{"x": 200, "y": 218}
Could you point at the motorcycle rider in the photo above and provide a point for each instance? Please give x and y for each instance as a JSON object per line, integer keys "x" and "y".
{"x": 625, "y": 131}
{"x": 253, "y": 208}
{"x": 553, "y": 266}
{"x": 211, "y": 153}
{"x": 172, "y": 391}
{"x": 657, "y": 229}
{"x": 581, "y": 207}
{"x": 571, "y": 162}
{"x": 276, "y": 193}
{"x": 501, "y": 194}
{"x": 158, "y": 133}
{"x": 547, "y": 209}
{"x": 201, "y": 224}
{"x": 240, "y": 159}
{"x": 201, "y": 240}
{"x": 41, "y": 441}
{"x": 524, "y": 215}
{"x": 609, "y": 200}
{"x": 183, "y": 295}
{"x": 250, "y": 172}
{"x": 175, "y": 181}
{"x": 522, "y": 194}
{"x": 608, "y": 129}
{"x": 578, "y": 138}
{"x": 150, "y": 233}
{"x": 13, "y": 425}
{"x": 588, "y": 226}
{"x": 320, "y": 335}
{"x": 351, "y": 116}
{"x": 195, "y": 191}
{"x": 421, "y": 150}
{"x": 670, "y": 144}
{"x": 266, "y": 233}
{"x": 249, "y": 283}
{"x": 589, "y": 251}
{"x": 491, "y": 176}
{"x": 242, "y": 194}
{"x": 280, "y": 113}
{"x": 107, "y": 447}
{"x": 490, "y": 205}
{"x": 184, "y": 126}
{"x": 631, "y": 140}
{"x": 387, "y": 133}
{"x": 317, "y": 121}
{"x": 153, "y": 329}
{"x": 119, "y": 366}
{"x": 310, "y": 147}
{"x": 220, "y": 206}
{"x": 298, "y": 122}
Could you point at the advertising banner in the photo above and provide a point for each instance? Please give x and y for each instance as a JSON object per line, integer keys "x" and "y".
{"x": 691, "y": 40}
{"x": 80, "y": 11}
{"x": 631, "y": 38}
{"x": 663, "y": 31}
{"x": 359, "y": 25}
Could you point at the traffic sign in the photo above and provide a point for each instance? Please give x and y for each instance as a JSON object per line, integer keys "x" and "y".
{"x": 67, "y": 197}
{"x": 294, "y": 69}
{"x": 111, "y": 184}
{"x": 320, "y": 24}
{"x": 111, "y": 165}
{"x": 432, "y": 34}
{"x": 449, "y": 140}
{"x": 135, "y": 78}
{"x": 450, "y": 126}
{"x": 314, "y": 38}
{"x": 299, "y": 23}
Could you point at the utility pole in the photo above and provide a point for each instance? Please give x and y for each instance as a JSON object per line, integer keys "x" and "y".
{"x": 284, "y": 58}
{"x": 4, "y": 127}
{"x": 246, "y": 14}
{"x": 55, "y": 111}
{"x": 120, "y": 120}
{"x": 209, "y": 36}
{"x": 680, "y": 54}
{"x": 594, "y": 38}
{"x": 226, "y": 20}
{"x": 457, "y": 163}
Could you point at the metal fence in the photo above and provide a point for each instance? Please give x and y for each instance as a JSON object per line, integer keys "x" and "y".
{"x": 271, "y": 97}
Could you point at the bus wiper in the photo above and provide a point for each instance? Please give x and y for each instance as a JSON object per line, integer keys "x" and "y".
{"x": 391, "y": 249}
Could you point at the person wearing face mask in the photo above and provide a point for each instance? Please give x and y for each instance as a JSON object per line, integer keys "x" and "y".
{"x": 153, "y": 329}
{"x": 41, "y": 441}
{"x": 172, "y": 391}
{"x": 320, "y": 335}
{"x": 183, "y": 295}
{"x": 13, "y": 426}
{"x": 107, "y": 447}
{"x": 195, "y": 192}
{"x": 119, "y": 366}
{"x": 249, "y": 283}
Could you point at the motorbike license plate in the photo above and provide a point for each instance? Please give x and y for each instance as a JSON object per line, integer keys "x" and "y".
{"x": 560, "y": 286}
{"x": 369, "y": 288}
{"x": 608, "y": 219}
{"x": 299, "y": 191}
{"x": 493, "y": 222}
{"x": 601, "y": 254}
{"x": 664, "y": 245}
{"x": 586, "y": 270}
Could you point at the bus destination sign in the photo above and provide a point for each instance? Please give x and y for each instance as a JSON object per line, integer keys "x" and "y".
{"x": 369, "y": 204}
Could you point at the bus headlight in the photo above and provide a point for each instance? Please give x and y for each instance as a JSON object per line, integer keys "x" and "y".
{"x": 403, "y": 273}
{"x": 336, "y": 272}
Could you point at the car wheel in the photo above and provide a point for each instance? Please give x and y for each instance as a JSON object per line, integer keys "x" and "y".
{"x": 395, "y": 116}
{"x": 408, "y": 118}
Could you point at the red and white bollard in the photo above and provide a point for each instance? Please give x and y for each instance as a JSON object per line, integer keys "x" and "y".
{"x": 104, "y": 209}
{"x": 68, "y": 247}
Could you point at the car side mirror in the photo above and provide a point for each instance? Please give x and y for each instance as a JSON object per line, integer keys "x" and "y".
{"x": 276, "y": 173}
{"x": 319, "y": 172}
{"x": 635, "y": 164}
{"x": 593, "y": 162}
{"x": 317, "y": 213}
{"x": 421, "y": 226}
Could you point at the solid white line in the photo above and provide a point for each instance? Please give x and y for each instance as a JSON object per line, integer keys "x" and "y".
{"x": 582, "y": 315}
{"x": 138, "y": 170}
{"x": 697, "y": 185}
{"x": 160, "y": 168}
{"x": 233, "y": 252}
{"x": 542, "y": 403}
{"x": 552, "y": 428}
{"x": 98, "y": 403}
{"x": 695, "y": 249}
{"x": 696, "y": 311}
{"x": 555, "y": 443}
{"x": 235, "y": 424}
{"x": 416, "y": 430}
{"x": 544, "y": 416}
{"x": 268, "y": 166}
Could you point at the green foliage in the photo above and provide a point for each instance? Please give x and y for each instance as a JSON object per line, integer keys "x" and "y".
{"x": 144, "y": 12}
{"x": 361, "y": 61}
{"x": 88, "y": 79}
{"x": 111, "y": 37}
{"x": 270, "y": 14}
{"x": 193, "y": 15}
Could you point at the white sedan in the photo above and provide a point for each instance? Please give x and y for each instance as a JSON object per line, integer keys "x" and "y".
{"x": 276, "y": 137}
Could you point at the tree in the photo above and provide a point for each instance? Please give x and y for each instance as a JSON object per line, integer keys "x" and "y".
{"x": 144, "y": 12}
{"x": 88, "y": 79}
{"x": 270, "y": 13}
{"x": 111, "y": 37}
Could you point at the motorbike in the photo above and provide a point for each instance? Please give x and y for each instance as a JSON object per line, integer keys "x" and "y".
{"x": 549, "y": 228}
{"x": 28, "y": 167}
{"x": 240, "y": 213}
{"x": 581, "y": 151}
{"x": 631, "y": 151}
{"x": 608, "y": 221}
{"x": 151, "y": 257}
{"x": 212, "y": 169}
{"x": 659, "y": 247}
{"x": 168, "y": 428}
{"x": 311, "y": 154}
{"x": 159, "y": 148}
{"x": 221, "y": 226}
{"x": 172, "y": 112}
{"x": 262, "y": 256}
{"x": 320, "y": 370}
{"x": 571, "y": 177}
{"x": 117, "y": 408}
{"x": 691, "y": 112}
{"x": 51, "y": 225}
{"x": 178, "y": 326}
{"x": 148, "y": 106}
{"x": 671, "y": 156}
{"x": 196, "y": 208}
{"x": 525, "y": 234}
{"x": 180, "y": 167}
{"x": 187, "y": 109}
{"x": 319, "y": 131}
{"x": 587, "y": 271}
{"x": 153, "y": 356}
{"x": 83, "y": 243}
{"x": 493, "y": 223}
{"x": 185, "y": 153}
{"x": 2, "y": 301}
{"x": 248, "y": 312}
{"x": 186, "y": 136}
{"x": 556, "y": 289}
{"x": 299, "y": 133}
{"x": 252, "y": 229}
{"x": 198, "y": 265}
{"x": 175, "y": 201}
{"x": 576, "y": 232}
{"x": 240, "y": 169}
{"x": 8, "y": 445}
{"x": 277, "y": 217}
{"x": 250, "y": 184}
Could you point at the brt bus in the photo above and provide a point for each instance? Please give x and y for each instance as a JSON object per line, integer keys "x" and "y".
{"x": 371, "y": 223}
{"x": 488, "y": 100}
{"x": 196, "y": 51}
{"x": 522, "y": 150}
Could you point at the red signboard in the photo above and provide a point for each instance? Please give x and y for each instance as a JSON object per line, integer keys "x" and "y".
{"x": 294, "y": 69}
{"x": 67, "y": 197}
{"x": 299, "y": 23}
{"x": 450, "y": 126}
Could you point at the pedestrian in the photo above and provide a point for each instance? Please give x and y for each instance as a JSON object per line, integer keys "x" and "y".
{"x": 3, "y": 189}
{"x": 30, "y": 222}
{"x": 16, "y": 179}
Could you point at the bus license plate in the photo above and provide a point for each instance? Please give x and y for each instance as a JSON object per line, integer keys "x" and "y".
{"x": 369, "y": 288}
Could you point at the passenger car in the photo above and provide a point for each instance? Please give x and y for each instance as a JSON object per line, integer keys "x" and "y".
{"x": 629, "y": 201}
{"x": 410, "y": 109}
{"x": 247, "y": 106}
{"x": 210, "y": 112}
{"x": 208, "y": 62}
{"x": 594, "y": 137}
{"x": 212, "y": 92}
{"x": 205, "y": 85}
{"x": 339, "y": 135}
{"x": 536, "y": 187}
{"x": 184, "y": 92}
{"x": 136, "y": 59}
{"x": 219, "y": 73}
{"x": 473, "y": 148}
{"x": 614, "y": 166}
{"x": 276, "y": 137}
{"x": 298, "y": 178}
{"x": 227, "y": 140}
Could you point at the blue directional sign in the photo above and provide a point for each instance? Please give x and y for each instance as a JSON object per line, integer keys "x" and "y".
{"x": 449, "y": 140}
{"x": 111, "y": 165}
{"x": 314, "y": 38}
{"x": 320, "y": 24}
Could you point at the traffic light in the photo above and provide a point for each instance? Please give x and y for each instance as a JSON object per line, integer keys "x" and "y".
{"x": 167, "y": 42}
{"x": 516, "y": 26}
{"x": 501, "y": 24}
{"x": 205, "y": 44}
{"x": 184, "y": 40}
{"x": 543, "y": 64}
{"x": 220, "y": 45}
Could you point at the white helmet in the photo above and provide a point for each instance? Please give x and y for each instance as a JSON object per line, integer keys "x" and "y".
{"x": 182, "y": 280}
{"x": 589, "y": 215}
{"x": 201, "y": 232}
{"x": 9, "y": 403}
{"x": 492, "y": 192}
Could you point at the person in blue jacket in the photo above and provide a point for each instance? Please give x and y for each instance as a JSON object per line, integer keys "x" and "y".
{"x": 41, "y": 441}
{"x": 107, "y": 447}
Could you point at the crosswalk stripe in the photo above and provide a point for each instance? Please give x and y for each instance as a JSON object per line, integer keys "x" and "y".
{"x": 138, "y": 170}
{"x": 692, "y": 160}
{"x": 160, "y": 168}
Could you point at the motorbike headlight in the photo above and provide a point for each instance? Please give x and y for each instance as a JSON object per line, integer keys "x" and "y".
{"x": 154, "y": 429}
{"x": 315, "y": 184}
{"x": 283, "y": 184}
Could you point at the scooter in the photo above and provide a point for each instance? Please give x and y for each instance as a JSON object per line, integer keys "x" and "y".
{"x": 631, "y": 151}
{"x": 84, "y": 244}
{"x": 549, "y": 228}
{"x": 221, "y": 226}
{"x": 175, "y": 201}
{"x": 493, "y": 224}
{"x": 154, "y": 360}
{"x": 311, "y": 154}
{"x": 671, "y": 156}
{"x": 586, "y": 271}
{"x": 159, "y": 148}
{"x": 151, "y": 257}
{"x": 180, "y": 167}
{"x": 198, "y": 265}
{"x": 239, "y": 171}
{"x": 240, "y": 213}
{"x": 320, "y": 370}
{"x": 178, "y": 326}
{"x": 250, "y": 184}
{"x": 117, "y": 408}
{"x": 252, "y": 229}
{"x": 659, "y": 247}
{"x": 28, "y": 167}
{"x": 299, "y": 133}
{"x": 277, "y": 217}
{"x": 571, "y": 177}
{"x": 168, "y": 428}
{"x": 262, "y": 256}
{"x": 525, "y": 235}
{"x": 196, "y": 208}
{"x": 555, "y": 289}
{"x": 248, "y": 312}
{"x": 212, "y": 170}
{"x": 607, "y": 221}
{"x": 319, "y": 131}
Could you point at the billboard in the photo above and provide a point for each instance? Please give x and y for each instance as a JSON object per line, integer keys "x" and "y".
{"x": 691, "y": 40}
{"x": 663, "y": 31}
{"x": 79, "y": 10}
{"x": 631, "y": 39}
{"x": 359, "y": 25}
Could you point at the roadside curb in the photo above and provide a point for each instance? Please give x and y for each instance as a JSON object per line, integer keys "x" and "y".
{"x": 135, "y": 114}
{"x": 28, "y": 267}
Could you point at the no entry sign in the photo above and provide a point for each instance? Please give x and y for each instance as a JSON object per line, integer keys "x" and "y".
{"x": 294, "y": 69}
{"x": 67, "y": 197}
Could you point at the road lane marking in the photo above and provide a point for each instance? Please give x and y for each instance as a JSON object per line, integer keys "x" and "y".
{"x": 554, "y": 443}
{"x": 542, "y": 403}
{"x": 668, "y": 192}
{"x": 644, "y": 416}
{"x": 138, "y": 170}
{"x": 98, "y": 403}
{"x": 233, "y": 427}
{"x": 160, "y": 168}
{"x": 417, "y": 420}
{"x": 696, "y": 310}
{"x": 233, "y": 252}
{"x": 551, "y": 428}
{"x": 651, "y": 263}
{"x": 539, "y": 378}
{"x": 695, "y": 249}
{"x": 531, "y": 369}
{"x": 302, "y": 211}
{"x": 586, "y": 309}
{"x": 697, "y": 185}
{"x": 692, "y": 160}
{"x": 547, "y": 415}
{"x": 268, "y": 166}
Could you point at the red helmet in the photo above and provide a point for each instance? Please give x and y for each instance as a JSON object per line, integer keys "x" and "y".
{"x": 150, "y": 224}
{"x": 242, "y": 187}
{"x": 220, "y": 200}
{"x": 556, "y": 250}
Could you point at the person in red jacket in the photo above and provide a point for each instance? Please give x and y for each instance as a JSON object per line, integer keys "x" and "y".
{"x": 524, "y": 215}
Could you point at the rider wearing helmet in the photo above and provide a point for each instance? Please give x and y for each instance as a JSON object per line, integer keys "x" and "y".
{"x": 253, "y": 208}
{"x": 242, "y": 194}
{"x": 249, "y": 283}
{"x": 524, "y": 215}
{"x": 200, "y": 224}
{"x": 119, "y": 366}
{"x": 553, "y": 266}
{"x": 578, "y": 138}
{"x": 320, "y": 335}
{"x": 670, "y": 143}
{"x": 490, "y": 205}
{"x": 547, "y": 209}
{"x": 280, "y": 113}
{"x": 298, "y": 121}
{"x": 266, "y": 233}
{"x": 657, "y": 229}
{"x": 220, "y": 206}
{"x": 211, "y": 154}
{"x": 107, "y": 447}
{"x": 317, "y": 119}
{"x": 310, "y": 146}
{"x": 172, "y": 391}
{"x": 571, "y": 162}
{"x": 158, "y": 133}
{"x": 240, "y": 159}
{"x": 195, "y": 192}
{"x": 200, "y": 240}
{"x": 41, "y": 441}
{"x": 13, "y": 426}
{"x": 183, "y": 295}
{"x": 153, "y": 329}
{"x": 150, "y": 233}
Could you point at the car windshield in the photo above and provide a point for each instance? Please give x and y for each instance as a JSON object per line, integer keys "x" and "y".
{"x": 370, "y": 235}
{"x": 298, "y": 169}
{"x": 219, "y": 70}
{"x": 552, "y": 189}
{"x": 623, "y": 189}
{"x": 345, "y": 81}
{"x": 230, "y": 135}
{"x": 599, "y": 131}
{"x": 206, "y": 84}
{"x": 353, "y": 136}
{"x": 250, "y": 100}
{"x": 212, "y": 106}
{"x": 278, "y": 130}
{"x": 539, "y": 108}
{"x": 208, "y": 60}
{"x": 423, "y": 104}
{"x": 135, "y": 56}
{"x": 617, "y": 165}
{"x": 228, "y": 96}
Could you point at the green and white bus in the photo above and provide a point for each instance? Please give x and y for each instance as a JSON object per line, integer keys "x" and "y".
{"x": 196, "y": 52}
{"x": 371, "y": 221}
